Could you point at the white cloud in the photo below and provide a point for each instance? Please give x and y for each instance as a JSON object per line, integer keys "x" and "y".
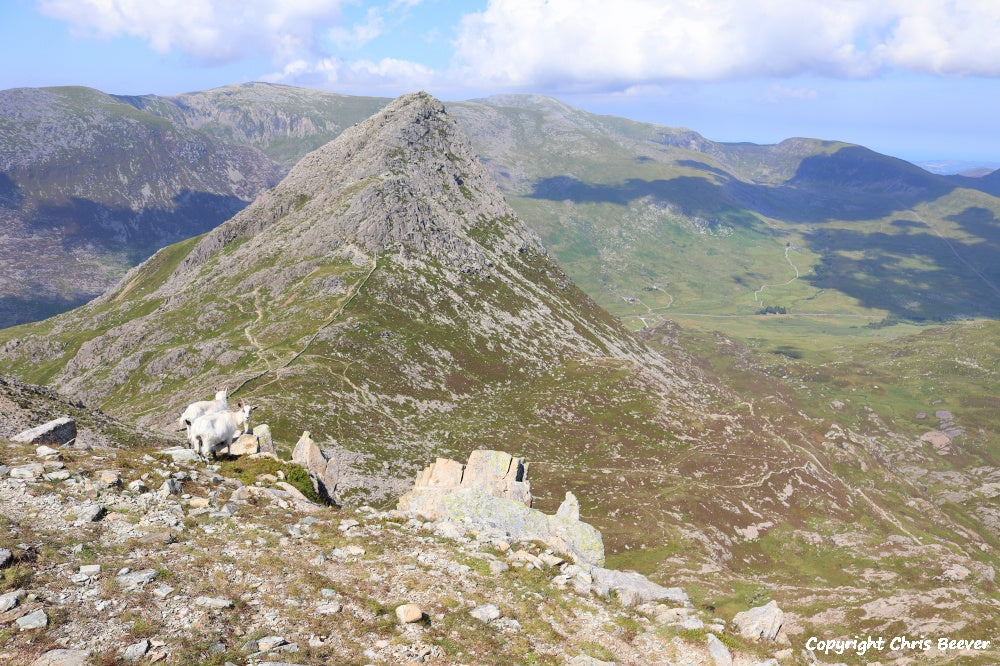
{"x": 213, "y": 31}
{"x": 360, "y": 34}
{"x": 598, "y": 45}
{"x": 387, "y": 74}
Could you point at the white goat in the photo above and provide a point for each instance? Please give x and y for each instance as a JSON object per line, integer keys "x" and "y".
{"x": 200, "y": 408}
{"x": 212, "y": 431}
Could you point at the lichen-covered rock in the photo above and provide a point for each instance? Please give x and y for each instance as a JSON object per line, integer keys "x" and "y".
{"x": 265, "y": 443}
{"x": 492, "y": 492}
{"x": 634, "y": 589}
{"x": 570, "y": 507}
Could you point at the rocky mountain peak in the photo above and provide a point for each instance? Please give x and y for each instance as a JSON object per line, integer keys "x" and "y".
{"x": 405, "y": 179}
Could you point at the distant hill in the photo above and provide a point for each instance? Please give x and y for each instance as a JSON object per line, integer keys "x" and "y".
{"x": 90, "y": 186}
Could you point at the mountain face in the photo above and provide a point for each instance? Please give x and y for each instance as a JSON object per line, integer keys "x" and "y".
{"x": 89, "y": 186}
{"x": 384, "y": 297}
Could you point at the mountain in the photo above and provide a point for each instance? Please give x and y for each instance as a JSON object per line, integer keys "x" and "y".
{"x": 89, "y": 186}
{"x": 647, "y": 219}
{"x": 283, "y": 122}
{"x": 384, "y": 297}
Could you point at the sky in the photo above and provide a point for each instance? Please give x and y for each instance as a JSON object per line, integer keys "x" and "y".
{"x": 917, "y": 79}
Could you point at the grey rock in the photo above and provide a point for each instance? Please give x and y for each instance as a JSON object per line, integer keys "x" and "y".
{"x": 691, "y": 624}
{"x": 493, "y": 493}
{"x": 171, "y": 487}
{"x": 163, "y": 591}
{"x": 28, "y": 472}
{"x": 63, "y": 657}
{"x": 58, "y": 432}
{"x": 633, "y": 589}
{"x": 90, "y": 570}
{"x": 36, "y": 620}
{"x": 90, "y": 513}
{"x": 58, "y": 475}
{"x": 329, "y": 608}
{"x": 135, "y": 579}
{"x": 10, "y": 599}
{"x": 265, "y": 444}
{"x": 180, "y": 454}
{"x": 761, "y": 623}
{"x": 268, "y": 643}
{"x": 486, "y": 612}
{"x": 138, "y": 486}
{"x": 213, "y": 602}
{"x": 570, "y": 507}
{"x": 719, "y": 652}
{"x": 322, "y": 472}
{"x": 6, "y": 558}
{"x": 587, "y": 660}
{"x": 136, "y": 651}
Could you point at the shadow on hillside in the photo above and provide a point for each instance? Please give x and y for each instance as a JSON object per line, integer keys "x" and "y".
{"x": 853, "y": 183}
{"x": 692, "y": 196}
{"x": 10, "y": 192}
{"x": 16, "y": 310}
{"x": 139, "y": 233}
{"x": 915, "y": 275}
{"x": 910, "y": 271}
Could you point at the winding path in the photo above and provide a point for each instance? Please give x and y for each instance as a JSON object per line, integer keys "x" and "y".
{"x": 757, "y": 295}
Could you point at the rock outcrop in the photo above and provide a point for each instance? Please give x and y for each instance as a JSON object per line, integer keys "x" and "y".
{"x": 761, "y": 623}
{"x": 322, "y": 472}
{"x": 58, "y": 431}
{"x": 492, "y": 492}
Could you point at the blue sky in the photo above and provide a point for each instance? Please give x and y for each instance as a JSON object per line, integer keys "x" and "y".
{"x": 918, "y": 79}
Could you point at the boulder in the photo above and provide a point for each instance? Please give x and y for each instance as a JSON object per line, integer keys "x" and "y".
{"x": 937, "y": 439}
{"x": 499, "y": 473}
{"x": 135, "y": 579}
{"x": 63, "y": 657}
{"x": 570, "y": 507}
{"x": 721, "y": 655}
{"x": 35, "y": 620}
{"x": 322, "y": 473}
{"x": 633, "y": 589}
{"x": 28, "y": 472}
{"x": 245, "y": 445}
{"x": 761, "y": 623}
{"x": 10, "y": 599}
{"x": 492, "y": 492}
{"x": 57, "y": 432}
{"x": 409, "y": 613}
{"x": 486, "y": 613}
{"x": 180, "y": 454}
{"x": 136, "y": 651}
{"x": 265, "y": 443}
